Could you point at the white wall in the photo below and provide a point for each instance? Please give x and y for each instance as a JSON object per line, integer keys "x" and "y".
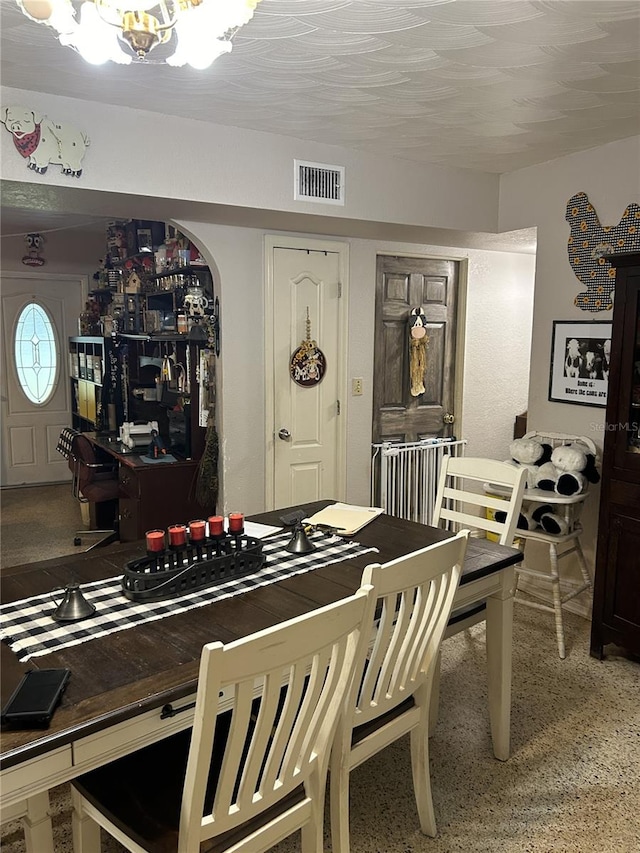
{"x": 67, "y": 252}
{"x": 133, "y": 151}
{"x": 538, "y": 195}
{"x": 236, "y": 259}
{"x": 498, "y": 342}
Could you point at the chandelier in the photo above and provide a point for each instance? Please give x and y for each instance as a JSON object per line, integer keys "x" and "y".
{"x": 198, "y": 31}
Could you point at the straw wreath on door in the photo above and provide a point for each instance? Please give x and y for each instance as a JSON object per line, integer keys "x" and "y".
{"x": 418, "y": 340}
{"x": 307, "y": 365}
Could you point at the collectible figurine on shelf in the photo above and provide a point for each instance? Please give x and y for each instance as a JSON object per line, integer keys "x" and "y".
{"x": 89, "y": 320}
{"x": 156, "y": 445}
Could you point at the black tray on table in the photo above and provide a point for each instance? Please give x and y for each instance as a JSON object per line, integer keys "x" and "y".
{"x": 192, "y": 567}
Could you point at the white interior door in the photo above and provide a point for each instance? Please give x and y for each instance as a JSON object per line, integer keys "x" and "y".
{"x": 30, "y": 431}
{"x": 307, "y": 458}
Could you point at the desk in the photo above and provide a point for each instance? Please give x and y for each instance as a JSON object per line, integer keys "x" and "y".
{"x": 153, "y": 494}
{"x": 120, "y": 683}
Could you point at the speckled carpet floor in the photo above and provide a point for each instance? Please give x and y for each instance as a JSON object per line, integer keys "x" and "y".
{"x": 572, "y": 784}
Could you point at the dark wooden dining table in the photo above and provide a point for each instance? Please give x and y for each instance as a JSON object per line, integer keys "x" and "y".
{"x": 137, "y": 686}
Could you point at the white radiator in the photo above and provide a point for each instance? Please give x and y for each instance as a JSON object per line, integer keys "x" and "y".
{"x": 404, "y": 477}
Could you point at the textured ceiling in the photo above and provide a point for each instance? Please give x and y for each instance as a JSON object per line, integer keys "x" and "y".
{"x": 493, "y": 85}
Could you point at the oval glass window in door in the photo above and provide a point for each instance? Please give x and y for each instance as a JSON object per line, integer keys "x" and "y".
{"x": 36, "y": 353}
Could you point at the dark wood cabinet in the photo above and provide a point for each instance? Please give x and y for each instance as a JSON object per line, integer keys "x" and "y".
{"x": 616, "y": 601}
{"x": 152, "y": 495}
{"x": 156, "y": 496}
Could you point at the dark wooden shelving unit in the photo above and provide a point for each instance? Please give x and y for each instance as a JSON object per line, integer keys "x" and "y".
{"x": 87, "y": 360}
{"x": 145, "y": 321}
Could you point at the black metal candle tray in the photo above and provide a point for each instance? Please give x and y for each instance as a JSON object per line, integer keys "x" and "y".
{"x": 188, "y": 568}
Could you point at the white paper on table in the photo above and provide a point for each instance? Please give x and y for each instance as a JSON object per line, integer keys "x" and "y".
{"x": 259, "y": 531}
{"x": 346, "y": 518}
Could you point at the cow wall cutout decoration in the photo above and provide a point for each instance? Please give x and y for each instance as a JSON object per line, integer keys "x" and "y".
{"x": 34, "y": 244}
{"x": 589, "y": 241}
{"x": 42, "y": 141}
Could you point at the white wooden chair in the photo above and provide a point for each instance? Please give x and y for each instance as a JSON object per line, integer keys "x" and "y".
{"x": 560, "y": 545}
{"x": 463, "y": 500}
{"x": 36, "y": 822}
{"x": 390, "y": 693}
{"x": 243, "y": 779}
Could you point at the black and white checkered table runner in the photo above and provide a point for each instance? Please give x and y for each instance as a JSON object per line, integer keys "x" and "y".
{"x": 30, "y": 631}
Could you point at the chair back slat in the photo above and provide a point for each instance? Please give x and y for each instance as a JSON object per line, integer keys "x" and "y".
{"x": 474, "y": 499}
{"x": 430, "y": 607}
{"x": 260, "y": 756}
{"x": 313, "y": 701}
{"x": 236, "y": 739}
{"x": 288, "y": 683}
{"x": 327, "y": 687}
{"x": 281, "y": 738}
{"x": 394, "y": 622}
{"x": 414, "y": 596}
{"x": 464, "y": 498}
{"x": 472, "y": 521}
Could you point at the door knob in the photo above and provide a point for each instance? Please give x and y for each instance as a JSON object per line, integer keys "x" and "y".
{"x": 448, "y": 418}
{"x": 284, "y": 434}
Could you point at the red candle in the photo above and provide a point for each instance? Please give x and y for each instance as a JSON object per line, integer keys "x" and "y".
{"x": 155, "y": 540}
{"x": 197, "y": 530}
{"x": 177, "y": 535}
{"x": 216, "y": 525}
{"x": 236, "y": 522}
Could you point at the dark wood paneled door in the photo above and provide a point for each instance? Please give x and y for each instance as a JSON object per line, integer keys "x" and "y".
{"x": 401, "y": 285}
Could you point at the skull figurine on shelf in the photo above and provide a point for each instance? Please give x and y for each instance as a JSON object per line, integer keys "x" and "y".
{"x": 195, "y": 301}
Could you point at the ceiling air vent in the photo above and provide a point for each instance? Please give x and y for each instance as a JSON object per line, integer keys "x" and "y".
{"x": 318, "y": 182}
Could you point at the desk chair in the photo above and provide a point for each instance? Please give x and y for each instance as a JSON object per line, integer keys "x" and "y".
{"x": 95, "y": 480}
{"x": 570, "y": 508}
{"x": 390, "y": 693}
{"x": 243, "y": 779}
{"x": 462, "y": 500}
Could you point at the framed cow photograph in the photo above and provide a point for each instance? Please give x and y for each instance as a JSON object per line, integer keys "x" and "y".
{"x": 580, "y": 355}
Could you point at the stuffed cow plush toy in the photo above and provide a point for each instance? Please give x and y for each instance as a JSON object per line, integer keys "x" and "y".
{"x": 574, "y": 468}
{"x": 566, "y": 470}
{"x": 534, "y": 456}
{"x": 541, "y": 516}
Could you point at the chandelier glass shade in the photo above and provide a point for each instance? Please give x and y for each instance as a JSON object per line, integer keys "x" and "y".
{"x": 195, "y": 32}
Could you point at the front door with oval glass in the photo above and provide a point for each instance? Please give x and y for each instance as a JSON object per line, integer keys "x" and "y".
{"x": 403, "y": 284}
{"x": 38, "y": 314}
